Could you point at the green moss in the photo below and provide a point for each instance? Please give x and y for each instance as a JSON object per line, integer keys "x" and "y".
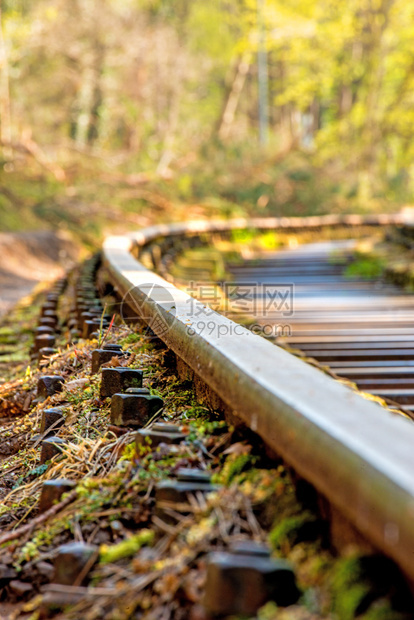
{"x": 348, "y": 601}
{"x": 382, "y": 610}
{"x": 361, "y": 587}
{"x": 125, "y": 548}
{"x": 131, "y": 338}
{"x": 268, "y": 612}
{"x": 366, "y": 267}
{"x": 243, "y": 236}
{"x": 233, "y": 466}
{"x": 292, "y": 529}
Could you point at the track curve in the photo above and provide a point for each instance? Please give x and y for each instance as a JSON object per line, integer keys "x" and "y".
{"x": 356, "y": 453}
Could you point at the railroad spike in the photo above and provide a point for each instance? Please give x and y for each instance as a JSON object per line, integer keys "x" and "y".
{"x": 103, "y": 356}
{"x": 49, "y": 385}
{"x": 44, "y": 329}
{"x": 243, "y": 579}
{"x": 48, "y": 305}
{"x": 51, "y": 314}
{"x": 52, "y": 416}
{"x": 52, "y": 491}
{"x": 50, "y": 448}
{"x": 71, "y": 560}
{"x": 160, "y": 432}
{"x": 45, "y": 353}
{"x": 43, "y": 340}
{"x": 134, "y": 409}
{"x": 188, "y": 480}
{"x": 118, "y": 380}
{"x": 48, "y": 320}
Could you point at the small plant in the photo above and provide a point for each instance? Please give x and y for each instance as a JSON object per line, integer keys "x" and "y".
{"x": 366, "y": 267}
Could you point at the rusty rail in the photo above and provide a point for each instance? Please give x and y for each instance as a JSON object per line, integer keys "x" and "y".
{"x": 353, "y": 451}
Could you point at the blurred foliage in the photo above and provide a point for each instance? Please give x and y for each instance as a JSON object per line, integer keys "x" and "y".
{"x": 111, "y": 107}
{"x": 366, "y": 267}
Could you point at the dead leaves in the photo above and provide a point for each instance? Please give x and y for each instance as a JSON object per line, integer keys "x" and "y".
{"x": 72, "y": 386}
{"x": 14, "y": 400}
{"x": 10, "y": 408}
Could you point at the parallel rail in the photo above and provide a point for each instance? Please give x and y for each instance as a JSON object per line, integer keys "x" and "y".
{"x": 352, "y": 450}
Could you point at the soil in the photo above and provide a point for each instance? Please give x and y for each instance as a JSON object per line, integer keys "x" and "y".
{"x": 29, "y": 258}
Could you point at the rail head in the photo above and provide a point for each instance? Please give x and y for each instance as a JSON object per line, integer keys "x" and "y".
{"x": 354, "y": 451}
{"x": 147, "y": 235}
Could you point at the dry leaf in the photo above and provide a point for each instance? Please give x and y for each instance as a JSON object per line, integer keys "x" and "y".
{"x": 238, "y": 448}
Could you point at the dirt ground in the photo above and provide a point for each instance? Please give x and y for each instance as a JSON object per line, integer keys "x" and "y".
{"x": 28, "y": 258}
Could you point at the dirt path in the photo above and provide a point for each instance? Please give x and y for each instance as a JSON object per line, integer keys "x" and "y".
{"x": 29, "y": 258}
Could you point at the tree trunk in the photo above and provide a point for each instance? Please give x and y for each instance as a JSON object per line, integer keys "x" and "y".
{"x": 5, "y": 111}
{"x": 173, "y": 118}
{"x": 89, "y": 98}
{"x": 233, "y": 97}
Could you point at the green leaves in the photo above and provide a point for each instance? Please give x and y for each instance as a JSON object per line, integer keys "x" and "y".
{"x": 150, "y": 83}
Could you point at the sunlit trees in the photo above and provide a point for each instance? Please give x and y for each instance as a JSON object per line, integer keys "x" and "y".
{"x": 153, "y": 80}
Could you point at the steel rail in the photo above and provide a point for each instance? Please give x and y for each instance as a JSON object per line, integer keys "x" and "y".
{"x": 152, "y": 233}
{"x": 356, "y": 453}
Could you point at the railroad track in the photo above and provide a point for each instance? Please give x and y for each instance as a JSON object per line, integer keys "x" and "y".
{"x": 356, "y": 453}
{"x": 361, "y": 330}
{"x": 99, "y": 391}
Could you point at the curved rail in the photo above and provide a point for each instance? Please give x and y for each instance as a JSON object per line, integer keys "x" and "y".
{"x": 143, "y": 237}
{"x": 353, "y": 451}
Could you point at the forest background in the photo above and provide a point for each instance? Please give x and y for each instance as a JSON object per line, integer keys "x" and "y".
{"x": 117, "y": 113}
